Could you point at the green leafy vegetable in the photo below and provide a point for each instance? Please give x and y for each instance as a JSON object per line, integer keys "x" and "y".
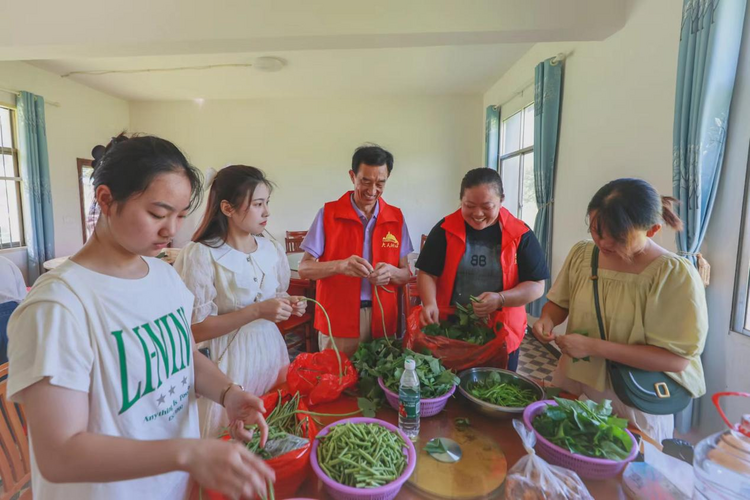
{"x": 465, "y": 326}
{"x": 586, "y": 428}
{"x": 380, "y": 359}
{"x": 495, "y": 391}
{"x": 367, "y": 407}
{"x": 435, "y": 447}
{"x": 462, "y": 423}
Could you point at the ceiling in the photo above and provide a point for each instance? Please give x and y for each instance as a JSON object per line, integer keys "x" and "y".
{"x": 331, "y": 47}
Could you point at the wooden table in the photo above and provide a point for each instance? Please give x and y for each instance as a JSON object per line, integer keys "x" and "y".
{"x": 501, "y": 431}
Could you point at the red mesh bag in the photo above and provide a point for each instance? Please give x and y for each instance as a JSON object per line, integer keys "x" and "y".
{"x": 455, "y": 354}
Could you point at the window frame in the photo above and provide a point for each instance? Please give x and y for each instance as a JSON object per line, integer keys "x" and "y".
{"x": 741, "y": 296}
{"x": 14, "y": 153}
{"x": 520, "y": 152}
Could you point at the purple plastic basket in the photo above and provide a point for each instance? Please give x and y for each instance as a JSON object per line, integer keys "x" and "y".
{"x": 427, "y": 407}
{"x": 586, "y": 467}
{"x": 342, "y": 492}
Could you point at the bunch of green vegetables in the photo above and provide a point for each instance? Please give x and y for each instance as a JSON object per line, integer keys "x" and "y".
{"x": 362, "y": 455}
{"x": 497, "y": 392}
{"x": 285, "y": 429}
{"x": 467, "y": 326}
{"x": 386, "y": 360}
{"x": 282, "y": 421}
{"x": 585, "y": 428}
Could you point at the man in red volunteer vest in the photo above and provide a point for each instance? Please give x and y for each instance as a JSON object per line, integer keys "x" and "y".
{"x": 356, "y": 250}
{"x": 482, "y": 250}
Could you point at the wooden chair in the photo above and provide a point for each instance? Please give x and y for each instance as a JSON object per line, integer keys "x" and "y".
{"x": 421, "y": 245}
{"x": 301, "y": 326}
{"x": 411, "y": 297}
{"x": 294, "y": 240}
{"x": 15, "y": 461}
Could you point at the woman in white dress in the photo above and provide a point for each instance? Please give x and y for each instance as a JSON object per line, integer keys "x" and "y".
{"x": 239, "y": 280}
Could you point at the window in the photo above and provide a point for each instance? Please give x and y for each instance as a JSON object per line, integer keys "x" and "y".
{"x": 11, "y": 218}
{"x": 517, "y": 164}
{"x": 741, "y": 313}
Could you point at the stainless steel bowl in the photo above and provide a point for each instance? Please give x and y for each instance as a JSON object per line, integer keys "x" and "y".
{"x": 474, "y": 375}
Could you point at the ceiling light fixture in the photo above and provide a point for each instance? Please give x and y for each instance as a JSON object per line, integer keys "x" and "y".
{"x": 269, "y": 64}
{"x": 154, "y": 70}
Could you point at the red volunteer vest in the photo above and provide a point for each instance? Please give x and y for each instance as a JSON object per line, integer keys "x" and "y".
{"x": 513, "y": 318}
{"x": 345, "y": 235}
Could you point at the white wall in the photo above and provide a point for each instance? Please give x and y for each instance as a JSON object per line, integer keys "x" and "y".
{"x": 84, "y": 119}
{"x": 617, "y": 112}
{"x": 305, "y": 147}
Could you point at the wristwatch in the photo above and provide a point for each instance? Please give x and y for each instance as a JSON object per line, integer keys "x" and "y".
{"x": 226, "y": 390}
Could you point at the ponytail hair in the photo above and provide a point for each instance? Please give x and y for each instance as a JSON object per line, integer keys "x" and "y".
{"x": 668, "y": 214}
{"x": 624, "y": 205}
{"x": 128, "y": 165}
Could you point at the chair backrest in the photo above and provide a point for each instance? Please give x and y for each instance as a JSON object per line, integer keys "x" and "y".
{"x": 293, "y": 244}
{"x": 294, "y": 240}
{"x": 411, "y": 297}
{"x": 304, "y": 287}
{"x": 421, "y": 245}
{"x": 15, "y": 461}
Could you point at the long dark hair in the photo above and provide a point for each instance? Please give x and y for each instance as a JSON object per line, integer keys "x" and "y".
{"x": 235, "y": 184}
{"x": 624, "y": 205}
{"x": 128, "y": 165}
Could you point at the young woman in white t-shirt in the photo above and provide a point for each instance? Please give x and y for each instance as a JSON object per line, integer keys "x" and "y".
{"x": 239, "y": 280}
{"x": 102, "y": 356}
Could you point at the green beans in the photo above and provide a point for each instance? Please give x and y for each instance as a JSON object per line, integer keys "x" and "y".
{"x": 500, "y": 393}
{"x": 362, "y": 455}
{"x": 281, "y": 421}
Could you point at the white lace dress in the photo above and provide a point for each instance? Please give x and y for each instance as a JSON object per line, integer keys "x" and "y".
{"x": 224, "y": 280}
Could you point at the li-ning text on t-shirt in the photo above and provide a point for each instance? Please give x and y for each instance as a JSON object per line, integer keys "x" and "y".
{"x": 165, "y": 347}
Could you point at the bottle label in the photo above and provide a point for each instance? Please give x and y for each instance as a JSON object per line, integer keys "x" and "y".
{"x": 408, "y": 405}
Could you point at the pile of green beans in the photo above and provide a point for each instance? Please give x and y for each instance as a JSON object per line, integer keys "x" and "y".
{"x": 503, "y": 394}
{"x": 281, "y": 421}
{"x": 362, "y": 455}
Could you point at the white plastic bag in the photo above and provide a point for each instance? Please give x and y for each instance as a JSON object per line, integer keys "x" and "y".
{"x": 532, "y": 478}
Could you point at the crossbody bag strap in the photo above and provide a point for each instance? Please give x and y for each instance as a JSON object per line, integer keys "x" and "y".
{"x": 595, "y": 282}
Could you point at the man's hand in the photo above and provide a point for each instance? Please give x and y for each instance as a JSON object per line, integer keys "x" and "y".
{"x": 356, "y": 267}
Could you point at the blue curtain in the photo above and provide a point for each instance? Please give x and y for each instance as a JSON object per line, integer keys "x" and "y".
{"x": 710, "y": 37}
{"x": 547, "y": 98}
{"x": 38, "y": 220}
{"x": 492, "y": 137}
{"x": 707, "y": 63}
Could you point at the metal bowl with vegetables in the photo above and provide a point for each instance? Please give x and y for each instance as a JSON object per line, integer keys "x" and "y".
{"x": 498, "y": 393}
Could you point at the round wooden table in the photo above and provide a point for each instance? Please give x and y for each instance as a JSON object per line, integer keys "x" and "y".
{"x": 500, "y": 431}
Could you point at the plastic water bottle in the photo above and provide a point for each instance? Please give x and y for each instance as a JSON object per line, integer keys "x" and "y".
{"x": 408, "y": 400}
{"x": 722, "y": 461}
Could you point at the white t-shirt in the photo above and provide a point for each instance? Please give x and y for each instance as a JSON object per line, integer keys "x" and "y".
{"x": 128, "y": 345}
{"x": 12, "y": 286}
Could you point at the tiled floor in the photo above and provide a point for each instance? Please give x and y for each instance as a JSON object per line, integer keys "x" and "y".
{"x": 535, "y": 360}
